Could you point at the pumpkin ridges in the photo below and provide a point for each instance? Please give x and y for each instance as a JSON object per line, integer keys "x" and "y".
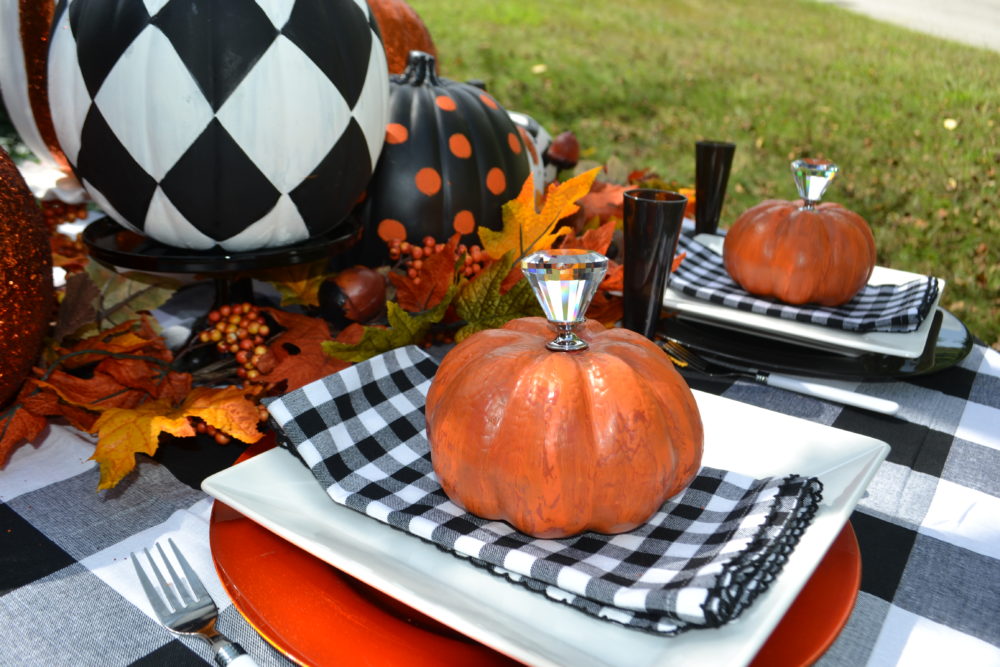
{"x": 586, "y": 440}
{"x": 780, "y": 249}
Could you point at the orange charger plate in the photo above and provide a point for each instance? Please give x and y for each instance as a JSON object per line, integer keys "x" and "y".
{"x": 316, "y": 615}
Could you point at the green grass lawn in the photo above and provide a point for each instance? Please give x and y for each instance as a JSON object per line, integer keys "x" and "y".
{"x": 641, "y": 80}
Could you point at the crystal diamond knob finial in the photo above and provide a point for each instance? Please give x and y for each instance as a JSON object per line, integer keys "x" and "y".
{"x": 564, "y": 281}
{"x": 812, "y": 176}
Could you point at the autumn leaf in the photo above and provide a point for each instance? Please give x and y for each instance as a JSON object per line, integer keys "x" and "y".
{"x": 604, "y": 202}
{"x": 133, "y": 337}
{"x": 298, "y": 284}
{"x": 227, "y": 409}
{"x": 435, "y": 276}
{"x": 124, "y": 432}
{"x": 44, "y": 403}
{"x": 77, "y": 308}
{"x": 614, "y": 279}
{"x": 298, "y": 351}
{"x": 524, "y": 228}
{"x": 482, "y": 304}
{"x": 17, "y": 425}
{"x": 404, "y": 329}
{"x": 99, "y": 392}
{"x": 123, "y": 297}
{"x": 598, "y": 240}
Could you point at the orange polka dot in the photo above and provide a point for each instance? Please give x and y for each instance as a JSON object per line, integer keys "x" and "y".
{"x": 396, "y": 133}
{"x": 390, "y": 229}
{"x": 465, "y": 222}
{"x": 496, "y": 181}
{"x": 459, "y": 145}
{"x": 514, "y": 143}
{"x": 428, "y": 181}
{"x": 489, "y": 101}
{"x": 445, "y": 102}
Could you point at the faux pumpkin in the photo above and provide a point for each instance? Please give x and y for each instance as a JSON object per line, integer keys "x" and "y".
{"x": 24, "y": 41}
{"x": 402, "y": 31}
{"x": 557, "y": 443}
{"x": 801, "y": 251}
{"x": 245, "y": 124}
{"x": 452, "y": 158}
{"x": 26, "y": 294}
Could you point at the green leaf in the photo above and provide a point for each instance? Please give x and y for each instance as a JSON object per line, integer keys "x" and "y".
{"x": 404, "y": 329}
{"x": 123, "y": 296}
{"x": 482, "y": 306}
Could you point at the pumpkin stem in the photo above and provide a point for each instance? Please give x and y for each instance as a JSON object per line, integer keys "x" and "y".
{"x": 421, "y": 68}
{"x": 812, "y": 176}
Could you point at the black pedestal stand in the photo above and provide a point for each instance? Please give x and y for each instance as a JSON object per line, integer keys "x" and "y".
{"x": 193, "y": 459}
{"x": 230, "y": 272}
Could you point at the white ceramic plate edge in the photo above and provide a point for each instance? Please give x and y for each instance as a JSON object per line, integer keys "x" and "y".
{"x": 275, "y": 490}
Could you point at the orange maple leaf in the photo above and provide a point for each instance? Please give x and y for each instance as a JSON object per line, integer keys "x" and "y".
{"x": 435, "y": 276}
{"x": 130, "y": 337}
{"x": 598, "y": 240}
{"x": 18, "y": 425}
{"x": 525, "y": 229}
{"x": 98, "y": 392}
{"x": 124, "y": 432}
{"x": 45, "y": 403}
{"x": 605, "y": 309}
{"x": 298, "y": 354}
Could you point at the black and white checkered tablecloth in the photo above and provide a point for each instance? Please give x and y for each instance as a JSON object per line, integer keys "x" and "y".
{"x": 889, "y": 308}
{"x": 928, "y": 529}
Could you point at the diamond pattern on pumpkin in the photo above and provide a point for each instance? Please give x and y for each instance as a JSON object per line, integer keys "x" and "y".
{"x": 235, "y": 196}
{"x": 112, "y": 169}
{"x": 320, "y": 109}
{"x": 183, "y": 112}
{"x": 342, "y": 165}
{"x": 98, "y": 47}
{"x": 334, "y": 57}
{"x": 192, "y": 35}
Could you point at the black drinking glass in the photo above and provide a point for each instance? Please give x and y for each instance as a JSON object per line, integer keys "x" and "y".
{"x": 713, "y": 161}
{"x": 652, "y": 221}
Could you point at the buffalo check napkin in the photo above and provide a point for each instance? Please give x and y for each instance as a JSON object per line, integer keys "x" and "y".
{"x": 886, "y": 308}
{"x": 698, "y": 562}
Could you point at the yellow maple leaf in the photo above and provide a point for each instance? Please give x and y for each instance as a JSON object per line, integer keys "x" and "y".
{"x": 124, "y": 432}
{"x": 298, "y": 284}
{"x": 524, "y": 228}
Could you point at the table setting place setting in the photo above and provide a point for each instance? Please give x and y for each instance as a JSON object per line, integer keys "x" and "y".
{"x": 671, "y": 437}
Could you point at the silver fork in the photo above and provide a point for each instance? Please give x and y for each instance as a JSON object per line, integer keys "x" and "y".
{"x": 188, "y": 611}
{"x": 683, "y": 357}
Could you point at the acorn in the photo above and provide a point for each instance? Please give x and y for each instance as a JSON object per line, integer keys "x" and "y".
{"x": 356, "y": 294}
{"x": 563, "y": 152}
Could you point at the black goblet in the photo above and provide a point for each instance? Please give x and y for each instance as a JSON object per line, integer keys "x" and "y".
{"x": 713, "y": 161}
{"x": 653, "y": 221}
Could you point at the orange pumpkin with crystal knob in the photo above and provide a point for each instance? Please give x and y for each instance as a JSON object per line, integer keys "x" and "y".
{"x": 555, "y": 442}
{"x": 798, "y": 255}
{"x": 801, "y": 251}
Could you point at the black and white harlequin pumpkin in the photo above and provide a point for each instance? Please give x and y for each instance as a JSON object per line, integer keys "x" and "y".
{"x": 239, "y": 123}
{"x": 452, "y": 158}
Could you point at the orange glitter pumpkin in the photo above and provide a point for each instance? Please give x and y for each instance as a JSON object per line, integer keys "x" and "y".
{"x": 402, "y": 31}
{"x": 26, "y": 293}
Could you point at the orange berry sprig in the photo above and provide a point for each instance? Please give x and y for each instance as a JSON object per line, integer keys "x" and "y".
{"x": 240, "y": 330}
{"x": 410, "y": 256}
{"x": 57, "y": 212}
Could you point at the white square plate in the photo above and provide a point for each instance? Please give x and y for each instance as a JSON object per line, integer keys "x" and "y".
{"x": 276, "y": 491}
{"x": 909, "y": 345}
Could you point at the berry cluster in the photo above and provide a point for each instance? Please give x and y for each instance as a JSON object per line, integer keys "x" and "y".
{"x": 411, "y": 256}
{"x": 241, "y": 330}
{"x": 57, "y": 212}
